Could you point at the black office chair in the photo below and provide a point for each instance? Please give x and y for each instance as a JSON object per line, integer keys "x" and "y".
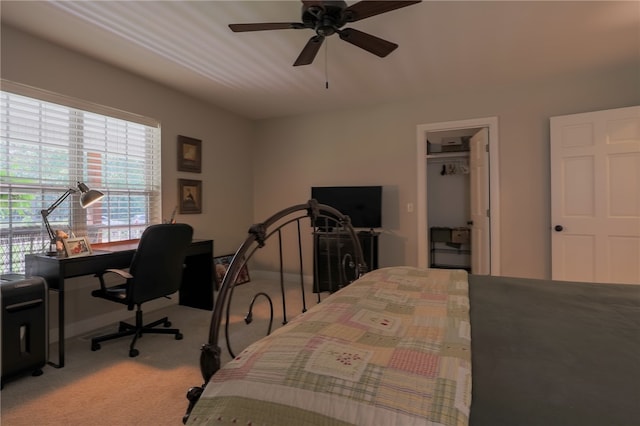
{"x": 155, "y": 271}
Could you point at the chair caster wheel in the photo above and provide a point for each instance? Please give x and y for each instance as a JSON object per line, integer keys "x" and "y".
{"x": 95, "y": 347}
{"x": 167, "y": 324}
{"x": 179, "y": 336}
{"x": 134, "y": 353}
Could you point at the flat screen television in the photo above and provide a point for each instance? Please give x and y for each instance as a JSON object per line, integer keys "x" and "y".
{"x": 363, "y": 204}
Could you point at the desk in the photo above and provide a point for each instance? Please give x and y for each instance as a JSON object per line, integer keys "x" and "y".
{"x": 197, "y": 280}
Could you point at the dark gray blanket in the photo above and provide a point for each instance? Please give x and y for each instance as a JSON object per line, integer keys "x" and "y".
{"x": 554, "y": 353}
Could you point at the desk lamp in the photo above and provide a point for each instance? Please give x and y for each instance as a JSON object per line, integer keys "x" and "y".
{"x": 87, "y": 197}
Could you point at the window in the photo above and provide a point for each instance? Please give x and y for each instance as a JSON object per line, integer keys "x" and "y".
{"x": 48, "y": 143}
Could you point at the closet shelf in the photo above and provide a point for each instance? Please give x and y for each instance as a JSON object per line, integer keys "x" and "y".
{"x": 449, "y": 154}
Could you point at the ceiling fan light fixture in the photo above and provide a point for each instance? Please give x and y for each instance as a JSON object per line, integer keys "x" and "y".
{"x": 327, "y": 17}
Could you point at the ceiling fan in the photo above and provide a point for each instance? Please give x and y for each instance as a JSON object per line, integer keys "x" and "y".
{"x": 327, "y": 18}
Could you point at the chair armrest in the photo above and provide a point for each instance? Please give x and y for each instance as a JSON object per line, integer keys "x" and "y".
{"x": 122, "y": 273}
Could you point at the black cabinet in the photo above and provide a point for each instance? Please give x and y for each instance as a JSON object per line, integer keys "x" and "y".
{"x": 198, "y": 283}
{"x": 24, "y": 326}
{"x": 334, "y": 265}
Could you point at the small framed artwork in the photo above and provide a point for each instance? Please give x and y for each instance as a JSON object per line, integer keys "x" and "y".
{"x": 190, "y": 193}
{"x": 75, "y": 247}
{"x": 189, "y": 154}
{"x": 221, "y": 264}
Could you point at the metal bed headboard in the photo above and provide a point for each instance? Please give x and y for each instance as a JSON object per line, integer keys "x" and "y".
{"x": 321, "y": 216}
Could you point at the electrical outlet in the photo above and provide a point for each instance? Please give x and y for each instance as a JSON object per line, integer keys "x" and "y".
{"x": 409, "y": 207}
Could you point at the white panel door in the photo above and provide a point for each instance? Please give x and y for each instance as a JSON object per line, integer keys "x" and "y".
{"x": 595, "y": 196}
{"x": 479, "y": 184}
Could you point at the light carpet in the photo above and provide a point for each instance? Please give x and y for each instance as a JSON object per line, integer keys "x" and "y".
{"x": 107, "y": 387}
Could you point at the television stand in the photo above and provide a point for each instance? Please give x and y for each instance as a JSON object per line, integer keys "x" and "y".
{"x": 334, "y": 254}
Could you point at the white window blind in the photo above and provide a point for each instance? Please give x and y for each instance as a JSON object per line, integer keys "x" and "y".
{"x": 47, "y": 146}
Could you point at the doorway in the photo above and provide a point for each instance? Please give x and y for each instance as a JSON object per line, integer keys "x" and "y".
{"x": 485, "y": 242}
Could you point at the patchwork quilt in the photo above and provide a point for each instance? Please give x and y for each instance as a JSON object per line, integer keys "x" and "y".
{"x": 392, "y": 348}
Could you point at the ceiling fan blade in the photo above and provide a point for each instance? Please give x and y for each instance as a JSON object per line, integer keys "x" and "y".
{"x": 370, "y": 43}
{"x": 309, "y": 51}
{"x": 239, "y": 28}
{"x": 367, "y": 8}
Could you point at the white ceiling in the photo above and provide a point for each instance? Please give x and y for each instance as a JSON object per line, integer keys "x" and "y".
{"x": 444, "y": 46}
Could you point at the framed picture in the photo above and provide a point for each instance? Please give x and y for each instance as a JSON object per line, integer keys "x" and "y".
{"x": 221, "y": 264}
{"x": 189, "y": 154}
{"x": 75, "y": 247}
{"x": 190, "y": 194}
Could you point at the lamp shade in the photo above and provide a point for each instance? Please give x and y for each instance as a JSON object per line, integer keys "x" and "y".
{"x": 88, "y": 196}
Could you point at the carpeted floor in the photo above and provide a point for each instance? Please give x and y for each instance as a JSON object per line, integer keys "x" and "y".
{"x": 107, "y": 387}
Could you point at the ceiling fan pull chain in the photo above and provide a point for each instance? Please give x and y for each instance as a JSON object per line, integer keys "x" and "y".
{"x": 326, "y": 66}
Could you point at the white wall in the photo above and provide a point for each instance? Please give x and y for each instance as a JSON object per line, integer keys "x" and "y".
{"x": 226, "y": 144}
{"x": 376, "y": 145}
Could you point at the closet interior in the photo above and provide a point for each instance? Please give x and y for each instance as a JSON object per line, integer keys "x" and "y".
{"x": 448, "y": 199}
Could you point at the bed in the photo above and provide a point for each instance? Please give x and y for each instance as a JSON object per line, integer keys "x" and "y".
{"x": 554, "y": 353}
{"x": 411, "y": 346}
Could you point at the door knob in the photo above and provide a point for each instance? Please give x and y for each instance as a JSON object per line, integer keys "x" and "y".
{"x": 558, "y": 228}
